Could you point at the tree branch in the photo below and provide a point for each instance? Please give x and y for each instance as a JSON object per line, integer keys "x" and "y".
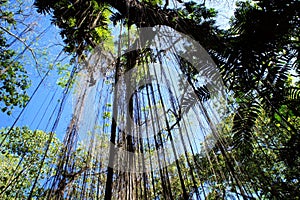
{"x": 24, "y": 43}
{"x": 144, "y": 15}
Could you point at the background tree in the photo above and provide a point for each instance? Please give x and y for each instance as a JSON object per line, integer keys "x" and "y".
{"x": 21, "y": 154}
{"x": 268, "y": 172}
{"x": 13, "y": 77}
{"x": 262, "y": 54}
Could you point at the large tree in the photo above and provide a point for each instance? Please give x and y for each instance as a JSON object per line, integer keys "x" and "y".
{"x": 256, "y": 56}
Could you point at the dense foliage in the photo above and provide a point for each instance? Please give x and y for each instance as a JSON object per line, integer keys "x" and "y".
{"x": 21, "y": 157}
{"x": 13, "y": 77}
{"x": 257, "y": 155}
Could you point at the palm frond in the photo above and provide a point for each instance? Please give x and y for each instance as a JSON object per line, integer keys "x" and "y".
{"x": 43, "y": 7}
{"x": 117, "y": 17}
{"x": 194, "y": 96}
{"x": 292, "y": 99}
{"x": 243, "y": 123}
{"x": 293, "y": 93}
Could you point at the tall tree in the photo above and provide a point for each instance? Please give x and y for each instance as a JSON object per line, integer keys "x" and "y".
{"x": 256, "y": 55}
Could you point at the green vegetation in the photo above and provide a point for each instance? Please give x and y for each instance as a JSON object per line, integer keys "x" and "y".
{"x": 256, "y": 154}
{"x": 13, "y": 76}
{"x": 21, "y": 156}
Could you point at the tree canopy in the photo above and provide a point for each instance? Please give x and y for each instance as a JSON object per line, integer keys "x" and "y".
{"x": 130, "y": 135}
